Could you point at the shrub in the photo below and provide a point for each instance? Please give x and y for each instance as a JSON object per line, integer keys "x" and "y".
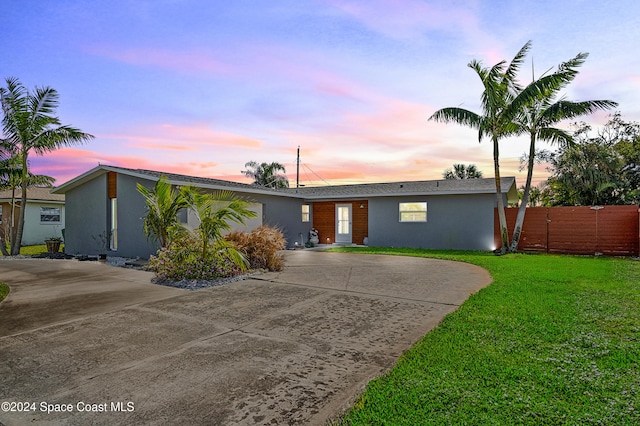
{"x": 181, "y": 261}
{"x": 261, "y": 247}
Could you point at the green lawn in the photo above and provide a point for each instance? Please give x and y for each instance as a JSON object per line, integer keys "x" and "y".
{"x": 38, "y": 249}
{"x": 553, "y": 340}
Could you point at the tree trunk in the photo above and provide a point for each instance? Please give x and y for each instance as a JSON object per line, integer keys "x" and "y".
{"x": 517, "y": 229}
{"x": 504, "y": 233}
{"x": 3, "y": 246}
{"x": 15, "y": 245}
{"x": 12, "y": 218}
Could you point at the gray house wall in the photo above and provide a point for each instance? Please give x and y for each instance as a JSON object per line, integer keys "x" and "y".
{"x": 89, "y": 210}
{"x": 284, "y": 214}
{"x": 86, "y": 216}
{"x": 131, "y": 210}
{"x": 460, "y": 222}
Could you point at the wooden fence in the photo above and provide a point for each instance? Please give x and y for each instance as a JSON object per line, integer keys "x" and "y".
{"x": 607, "y": 230}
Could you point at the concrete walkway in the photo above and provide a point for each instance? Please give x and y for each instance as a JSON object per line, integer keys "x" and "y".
{"x": 97, "y": 344}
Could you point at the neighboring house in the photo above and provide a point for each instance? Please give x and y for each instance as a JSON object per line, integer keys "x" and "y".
{"x": 442, "y": 214}
{"x": 44, "y": 214}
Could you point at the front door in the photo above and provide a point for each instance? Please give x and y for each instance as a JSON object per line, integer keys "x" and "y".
{"x": 343, "y": 223}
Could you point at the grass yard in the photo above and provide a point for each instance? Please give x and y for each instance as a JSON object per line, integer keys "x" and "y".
{"x": 37, "y": 249}
{"x": 553, "y": 340}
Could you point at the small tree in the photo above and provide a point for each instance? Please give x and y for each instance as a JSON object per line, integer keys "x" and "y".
{"x": 163, "y": 204}
{"x": 215, "y": 212}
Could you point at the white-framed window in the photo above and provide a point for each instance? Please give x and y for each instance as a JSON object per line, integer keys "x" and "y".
{"x": 413, "y": 212}
{"x": 50, "y": 214}
{"x": 306, "y": 212}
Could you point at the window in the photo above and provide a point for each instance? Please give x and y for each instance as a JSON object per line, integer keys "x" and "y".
{"x": 413, "y": 212}
{"x": 0, "y": 213}
{"x": 306, "y": 213}
{"x": 49, "y": 214}
{"x": 113, "y": 243}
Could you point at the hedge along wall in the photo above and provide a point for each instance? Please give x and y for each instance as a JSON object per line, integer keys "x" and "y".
{"x": 607, "y": 230}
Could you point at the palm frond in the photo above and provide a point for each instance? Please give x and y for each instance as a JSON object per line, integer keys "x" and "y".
{"x": 510, "y": 74}
{"x": 457, "y": 115}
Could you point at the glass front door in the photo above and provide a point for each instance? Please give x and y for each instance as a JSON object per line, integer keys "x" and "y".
{"x": 343, "y": 223}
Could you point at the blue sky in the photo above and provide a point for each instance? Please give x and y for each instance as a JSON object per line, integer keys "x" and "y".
{"x": 202, "y": 87}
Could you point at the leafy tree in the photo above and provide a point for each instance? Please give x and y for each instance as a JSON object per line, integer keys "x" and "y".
{"x": 502, "y": 100}
{"x": 30, "y": 126}
{"x": 587, "y": 173}
{"x": 460, "y": 171}
{"x": 541, "y": 114}
{"x": 600, "y": 169}
{"x": 270, "y": 175}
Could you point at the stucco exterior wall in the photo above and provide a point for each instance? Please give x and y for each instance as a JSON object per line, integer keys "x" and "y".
{"x": 35, "y": 231}
{"x": 90, "y": 209}
{"x": 460, "y": 222}
{"x": 86, "y": 216}
{"x": 131, "y": 210}
{"x": 285, "y": 214}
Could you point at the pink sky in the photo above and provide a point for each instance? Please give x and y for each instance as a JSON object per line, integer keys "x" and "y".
{"x": 201, "y": 88}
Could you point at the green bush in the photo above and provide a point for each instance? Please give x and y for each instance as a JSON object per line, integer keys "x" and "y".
{"x": 182, "y": 262}
{"x": 261, "y": 247}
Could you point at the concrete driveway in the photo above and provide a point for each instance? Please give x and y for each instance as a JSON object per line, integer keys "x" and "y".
{"x": 85, "y": 343}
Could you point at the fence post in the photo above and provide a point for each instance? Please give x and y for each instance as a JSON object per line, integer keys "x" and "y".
{"x": 597, "y": 208}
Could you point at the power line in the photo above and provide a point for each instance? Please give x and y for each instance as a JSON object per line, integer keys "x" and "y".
{"x": 312, "y": 171}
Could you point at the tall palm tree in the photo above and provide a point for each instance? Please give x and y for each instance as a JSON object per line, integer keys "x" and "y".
{"x": 500, "y": 100}
{"x": 461, "y": 171}
{"x": 541, "y": 114}
{"x": 29, "y": 125}
{"x": 267, "y": 174}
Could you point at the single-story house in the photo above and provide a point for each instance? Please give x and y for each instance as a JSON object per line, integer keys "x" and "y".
{"x": 105, "y": 211}
{"x": 44, "y": 214}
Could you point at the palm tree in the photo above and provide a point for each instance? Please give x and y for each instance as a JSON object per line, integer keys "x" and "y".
{"x": 163, "y": 205}
{"x": 215, "y": 212}
{"x": 11, "y": 178}
{"x": 29, "y": 125}
{"x": 538, "y": 119}
{"x": 501, "y": 99}
{"x": 267, "y": 174}
{"x": 460, "y": 171}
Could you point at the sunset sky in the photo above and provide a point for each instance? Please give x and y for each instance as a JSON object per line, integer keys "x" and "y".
{"x": 201, "y": 87}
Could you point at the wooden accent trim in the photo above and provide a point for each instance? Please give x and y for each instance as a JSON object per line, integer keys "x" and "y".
{"x": 324, "y": 220}
{"x": 112, "y": 185}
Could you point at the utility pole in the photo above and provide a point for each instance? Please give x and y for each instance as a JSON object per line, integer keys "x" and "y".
{"x": 298, "y": 169}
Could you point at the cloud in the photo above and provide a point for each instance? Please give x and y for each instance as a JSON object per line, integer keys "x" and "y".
{"x": 404, "y": 19}
{"x": 194, "y": 61}
{"x": 181, "y": 138}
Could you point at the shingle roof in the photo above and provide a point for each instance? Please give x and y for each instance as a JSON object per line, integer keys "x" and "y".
{"x": 33, "y": 194}
{"x": 428, "y": 187}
